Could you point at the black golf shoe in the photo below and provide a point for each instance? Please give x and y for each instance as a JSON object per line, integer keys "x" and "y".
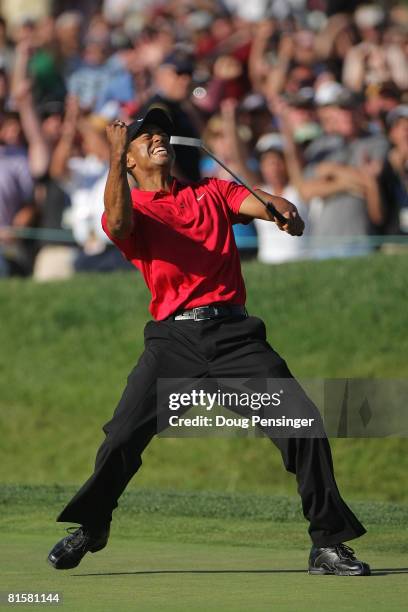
{"x": 68, "y": 552}
{"x": 338, "y": 560}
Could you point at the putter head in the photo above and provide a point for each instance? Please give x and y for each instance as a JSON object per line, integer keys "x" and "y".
{"x": 185, "y": 141}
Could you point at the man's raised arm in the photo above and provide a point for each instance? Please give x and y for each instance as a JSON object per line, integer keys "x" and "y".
{"x": 117, "y": 198}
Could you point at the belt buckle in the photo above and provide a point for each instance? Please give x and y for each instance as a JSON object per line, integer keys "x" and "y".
{"x": 196, "y": 312}
{"x": 212, "y": 312}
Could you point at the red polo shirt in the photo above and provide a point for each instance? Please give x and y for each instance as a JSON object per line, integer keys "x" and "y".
{"x": 183, "y": 244}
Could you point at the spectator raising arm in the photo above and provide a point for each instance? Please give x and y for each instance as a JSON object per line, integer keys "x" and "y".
{"x": 21, "y": 94}
{"x": 38, "y": 150}
{"x": 64, "y": 148}
{"x": 278, "y": 75}
{"x": 384, "y": 63}
{"x": 354, "y": 67}
{"x": 237, "y": 148}
{"x": 325, "y": 39}
{"x": 258, "y": 66}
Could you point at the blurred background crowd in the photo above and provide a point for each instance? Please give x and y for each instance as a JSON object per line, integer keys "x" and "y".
{"x": 307, "y": 99}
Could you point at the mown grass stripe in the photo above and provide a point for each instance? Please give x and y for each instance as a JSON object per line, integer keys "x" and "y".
{"x": 24, "y": 498}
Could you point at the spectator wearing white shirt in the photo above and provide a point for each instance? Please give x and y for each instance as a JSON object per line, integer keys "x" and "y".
{"x": 275, "y": 246}
{"x": 96, "y": 252}
{"x": 79, "y": 160}
{"x": 82, "y": 174}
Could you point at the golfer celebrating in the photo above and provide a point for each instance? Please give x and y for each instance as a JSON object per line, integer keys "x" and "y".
{"x": 180, "y": 237}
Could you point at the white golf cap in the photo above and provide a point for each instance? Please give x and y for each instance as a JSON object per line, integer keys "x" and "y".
{"x": 270, "y": 142}
{"x": 332, "y": 93}
{"x": 369, "y": 16}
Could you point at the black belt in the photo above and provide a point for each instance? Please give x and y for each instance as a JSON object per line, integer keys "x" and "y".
{"x": 201, "y": 313}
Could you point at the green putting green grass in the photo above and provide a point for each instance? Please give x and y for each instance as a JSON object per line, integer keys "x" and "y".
{"x": 199, "y": 551}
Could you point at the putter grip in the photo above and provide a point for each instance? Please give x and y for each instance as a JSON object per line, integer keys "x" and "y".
{"x": 276, "y": 213}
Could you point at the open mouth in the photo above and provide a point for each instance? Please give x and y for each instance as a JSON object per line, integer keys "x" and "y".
{"x": 159, "y": 151}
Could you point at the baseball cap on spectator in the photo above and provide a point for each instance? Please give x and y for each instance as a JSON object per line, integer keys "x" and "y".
{"x": 303, "y": 98}
{"x": 334, "y": 94}
{"x": 199, "y": 20}
{"x": 156, "y": 116}
{"x": 397, "y": 113}
{"x": 181, "y": 61}
{"x": 51, "y": 107}
{"x": 269, "y": 142}
{"x": 253, "y": 102}
{"x": 369, "y": 16}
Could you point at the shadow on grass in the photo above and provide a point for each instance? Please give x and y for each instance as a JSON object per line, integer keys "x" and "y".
{"x": 226, "y": 571}
{"x": 375, "y": 572}
{"x": 389, "y": 570}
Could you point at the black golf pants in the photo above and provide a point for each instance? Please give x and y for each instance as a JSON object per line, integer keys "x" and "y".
{"x": 231, "y": 347}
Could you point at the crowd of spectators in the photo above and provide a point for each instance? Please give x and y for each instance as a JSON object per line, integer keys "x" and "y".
{"x": 307, "y": 99}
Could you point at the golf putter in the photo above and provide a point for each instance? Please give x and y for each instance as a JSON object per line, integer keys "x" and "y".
{"x": 196, "y": 142}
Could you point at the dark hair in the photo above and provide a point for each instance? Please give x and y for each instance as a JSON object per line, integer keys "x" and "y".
{"x": 49, "y": 108}
{"x": 10, "y": 114}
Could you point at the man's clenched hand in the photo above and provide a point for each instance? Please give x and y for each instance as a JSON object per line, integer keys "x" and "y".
{"x": 117, "y": 135}
{"x": 295, "y": 224}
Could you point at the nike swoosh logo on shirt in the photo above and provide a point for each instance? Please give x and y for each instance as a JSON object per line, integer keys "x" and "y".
{"x": 201, "y": 196}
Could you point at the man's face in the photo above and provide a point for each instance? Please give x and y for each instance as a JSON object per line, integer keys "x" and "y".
{"x": 51, "y": 127}
{"x": 345, "y": 120}
{"x": 298, "y": 116}
{"x": 327, "y": 119}
{"x": 338, "y": 120}
{"x": 95, "y": 54}
{"x": 10, "y": 132}
{"x": 273, "y": 168}
{"x": 379, "y": 105}
{"x": 151, "y": 149}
